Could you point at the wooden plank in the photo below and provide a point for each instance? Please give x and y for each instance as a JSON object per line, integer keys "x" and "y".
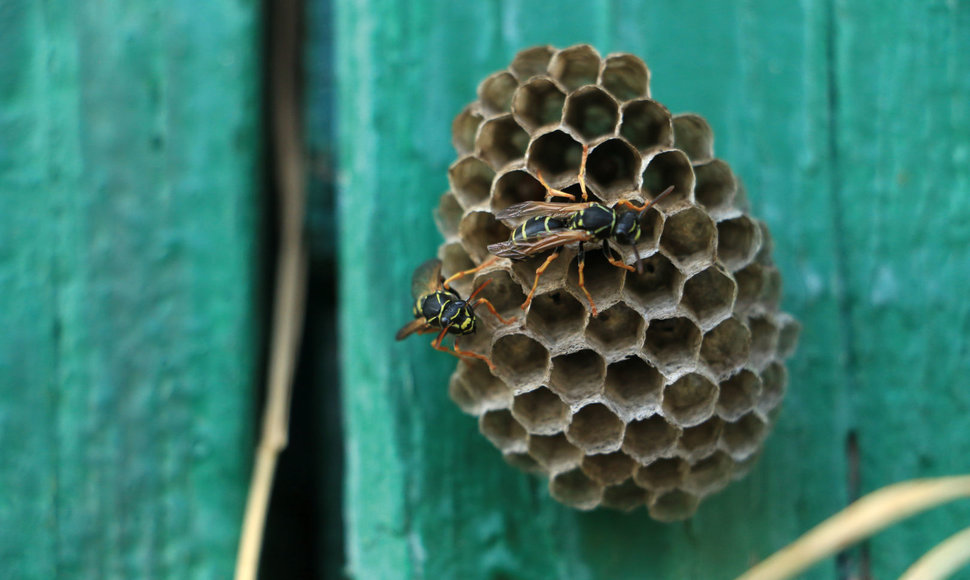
{"x": 127, "y": 173}
{"x": 426, "y": 495}
{"x": 903, "y": 175}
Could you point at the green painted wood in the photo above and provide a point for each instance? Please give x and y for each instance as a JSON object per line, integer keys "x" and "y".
{"x": 128, "y": 149}
{"x": 844, "y": 122}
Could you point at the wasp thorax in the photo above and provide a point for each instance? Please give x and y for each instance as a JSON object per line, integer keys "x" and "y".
{"x": 668, "y": 394}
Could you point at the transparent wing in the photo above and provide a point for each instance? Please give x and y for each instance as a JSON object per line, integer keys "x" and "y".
{"x": 538, "y": 244}
{"x": 426, "y": 278}
{"x": 416, "y": 325}
{"x": 534, "y": 208}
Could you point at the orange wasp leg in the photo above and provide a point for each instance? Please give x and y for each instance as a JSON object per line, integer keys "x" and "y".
{"x": 539, "y": 271}
{"x": 550, "y": 192}
{"x": 582, "y": 282}
{"x": 436, "y": 344}
{"x": 463, "y": 273}
{"x": 495, "y": 312}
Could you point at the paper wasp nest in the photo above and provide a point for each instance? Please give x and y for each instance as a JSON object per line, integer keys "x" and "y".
{"x": 668, "y": 394}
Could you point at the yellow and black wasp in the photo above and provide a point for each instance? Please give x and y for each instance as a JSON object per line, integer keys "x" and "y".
{"x": 551, "y": 226}
{"x": 439, "y": 308}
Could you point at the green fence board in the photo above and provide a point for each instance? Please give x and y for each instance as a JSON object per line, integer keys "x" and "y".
{"x": 427, "y": 497}
{"x": 128, "y": 147}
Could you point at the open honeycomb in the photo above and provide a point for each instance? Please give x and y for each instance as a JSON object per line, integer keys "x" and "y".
{"x": 668, "y": 394}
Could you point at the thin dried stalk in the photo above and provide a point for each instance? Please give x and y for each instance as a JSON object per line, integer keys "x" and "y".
{"x": 863, "y": 518}
{"x": 943, "y": 560}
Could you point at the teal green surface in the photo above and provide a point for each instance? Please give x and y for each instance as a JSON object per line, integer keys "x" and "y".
{"x": 128, "y": 174}
{"x": 850, "y": 126}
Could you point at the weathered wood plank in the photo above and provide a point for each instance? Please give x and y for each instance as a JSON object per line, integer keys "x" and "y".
{"x": 128, "y": 172}
{"x": 903, "y": 177}
{"x": 427, "y": 496}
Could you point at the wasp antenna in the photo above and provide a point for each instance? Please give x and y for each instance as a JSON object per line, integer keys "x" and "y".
{"x": 653, "y": 201}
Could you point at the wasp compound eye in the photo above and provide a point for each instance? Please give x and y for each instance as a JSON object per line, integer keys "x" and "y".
{"x": 669, "y": 392}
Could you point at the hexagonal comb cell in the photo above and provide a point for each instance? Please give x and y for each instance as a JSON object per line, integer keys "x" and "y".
{"x": 616, "y": 329}
{"x": 693, "y": 136}
{"x": 504, "y": 294}
{"x": 738, "y": 395}
{"x": 725, "y": 347}
{"x": 656, "y": 286}
{"x": 646, "y": 124}
{"x": 625, "y": 76}
{"x": 448, "y": 215}
{"x": 650, "y": 438}
{"x": 541, "y": 412}
{"x": 710, "y": 474}
{"x": 502, "y": 141}
{"x": 609, "y": 468}
{"x": 595, "y": 429}
{"x": 454, "y": 258}
{"x": 673, "y": 505}
{"x": 577, "y": 376}
{"x": 633, "y": 387}
{"x": 709, "y": 295}
{"x": 738, "y": 240}
{"x": 514, "y": 187}
{"x": 495, "y": 92}
{"x": 743, "y": 437}
{"x": 475, "y": 390}
{"x": 538, "y": 104}
{"x": 478, "y": 229}
{"x": 501, "y": 428}
{"x": 701, "y": 440}
{"x": 624, "y": 496}
{"x": 662, "y": 474}
{"x": 788, "y": 336}
{"x": 556, "y": 156}
{"x": 523, "y": 461}
{"x": 773, "y": 381}
{"x": 764, "y": 339}
{"x": 554, "y": 452}
{"x": 716, "y": 186}
{"x": 591, "y": 112}
{"x": 751, "y": 283}
{"x": 464, "y": 129}
{"x": 470, "y": 180}
{"x": 556, "y": 316}
{"x": 520, "y": 360}
{"x": 575, "y": 489}
{"x": 672, "y": 342}
{"x": 602, "y": 279}
{"x": 665, "y": 169}
{"x": 690, "y": 399}
{"x": 612, "y": 169}
{"x": 575, "y": 66}
{"x": 688, "y": 237}
{"x": 531, "y": 62}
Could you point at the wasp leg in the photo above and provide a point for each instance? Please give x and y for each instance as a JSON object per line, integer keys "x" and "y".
{"x": 630, "y": 205}
{"x": 494, "y": 312}
{"x": 463, "y": 273}
{"x": 582, "y": 171}
{"x": 550, "y": 192}
{"x": 539, "y": 271}
{"x": 619, "y": 264}
{"x": 436, "y": 344}
{"x": 582, "y": 280}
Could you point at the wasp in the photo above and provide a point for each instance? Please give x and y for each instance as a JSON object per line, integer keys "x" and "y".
{"x": 439, "y": 308}
{"x": 551, "y": 226}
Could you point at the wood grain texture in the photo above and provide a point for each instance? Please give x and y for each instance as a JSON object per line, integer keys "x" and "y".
{"x": 849, "y": 127}
{"x": 127, "y": 260}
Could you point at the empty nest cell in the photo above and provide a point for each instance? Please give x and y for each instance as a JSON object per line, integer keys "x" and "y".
{"x": 688, "y": 237}
{"x": 541, "y": 412}
{"x": 709, "y": 295}
{"x": 577, "y": 376}
{"x": 464, "y": 129}
{"x": 656, "y": 286}
{"x": 609, "y": 468}
{"x": 693, "y": 136}
{"x": 501, "y": 428}
{"x": 575, "y": 489}
{"x": 700, "y": 440}
{"x": 448, "y": 215}
{"x": 743, "y": 437}
{"x": 504, "y": 294}
{"x": 495, "y": 92}
{"x": 646, "y": 124}
{"x": 672, "y": 342}
{"x": 520, "y": 360}
{"x": 554, "y": 452}
{"x": 625, "y": 496}
{"x": 738, "y": 239}
{"x": 773, "y": 381}
{"x": 595, "y": 429}
{"x": 476, "y": 390}
{"x": 575, "y": 66}
{"x": 603, "y": 280}
{"x": 665, "y": 169}
{"x": 625, "y": 76}
{"x": 690, "y": 400}
{"x": 764, "y": 339}
{"x": 501, "y": 141}
{"x": 716, "y": 186}
{"x": 612, "y": 169}
{"x": 648, "y": 439}
{"x": 726, "y": 346}
{"x": 673, "y": 505}
{"x": 591, "y": 112}
{"x": 454, "y": 258}
{"x": 471, "y": 180}
{"x": 477, "y": 230}
{"x": 531, "y": 62}
{"x": 616, "y": 329}
{"x": 738, "y": 395}
{"x": 556, "y": 156}
{"x": 633, "y": 387}
{"x": 538, "y": 104}
{"x": 556, "y": 316}
{"x": 709, "y": 475}
{"x": 663, "y": 474}
{"x": 516, "y": 186}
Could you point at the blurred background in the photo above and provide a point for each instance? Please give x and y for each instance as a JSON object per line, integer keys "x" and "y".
{"x": 138, "y": 227}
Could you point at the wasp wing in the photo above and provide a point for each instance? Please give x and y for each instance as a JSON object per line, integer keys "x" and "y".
{"x": 546, "y": 208}
{"x": 426, "y": 278}
{"x": 518, "y": 250}
{"x": 417, "y": 325}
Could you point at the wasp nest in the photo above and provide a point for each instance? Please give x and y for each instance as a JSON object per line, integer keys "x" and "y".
{"x": 668, "y": 394}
